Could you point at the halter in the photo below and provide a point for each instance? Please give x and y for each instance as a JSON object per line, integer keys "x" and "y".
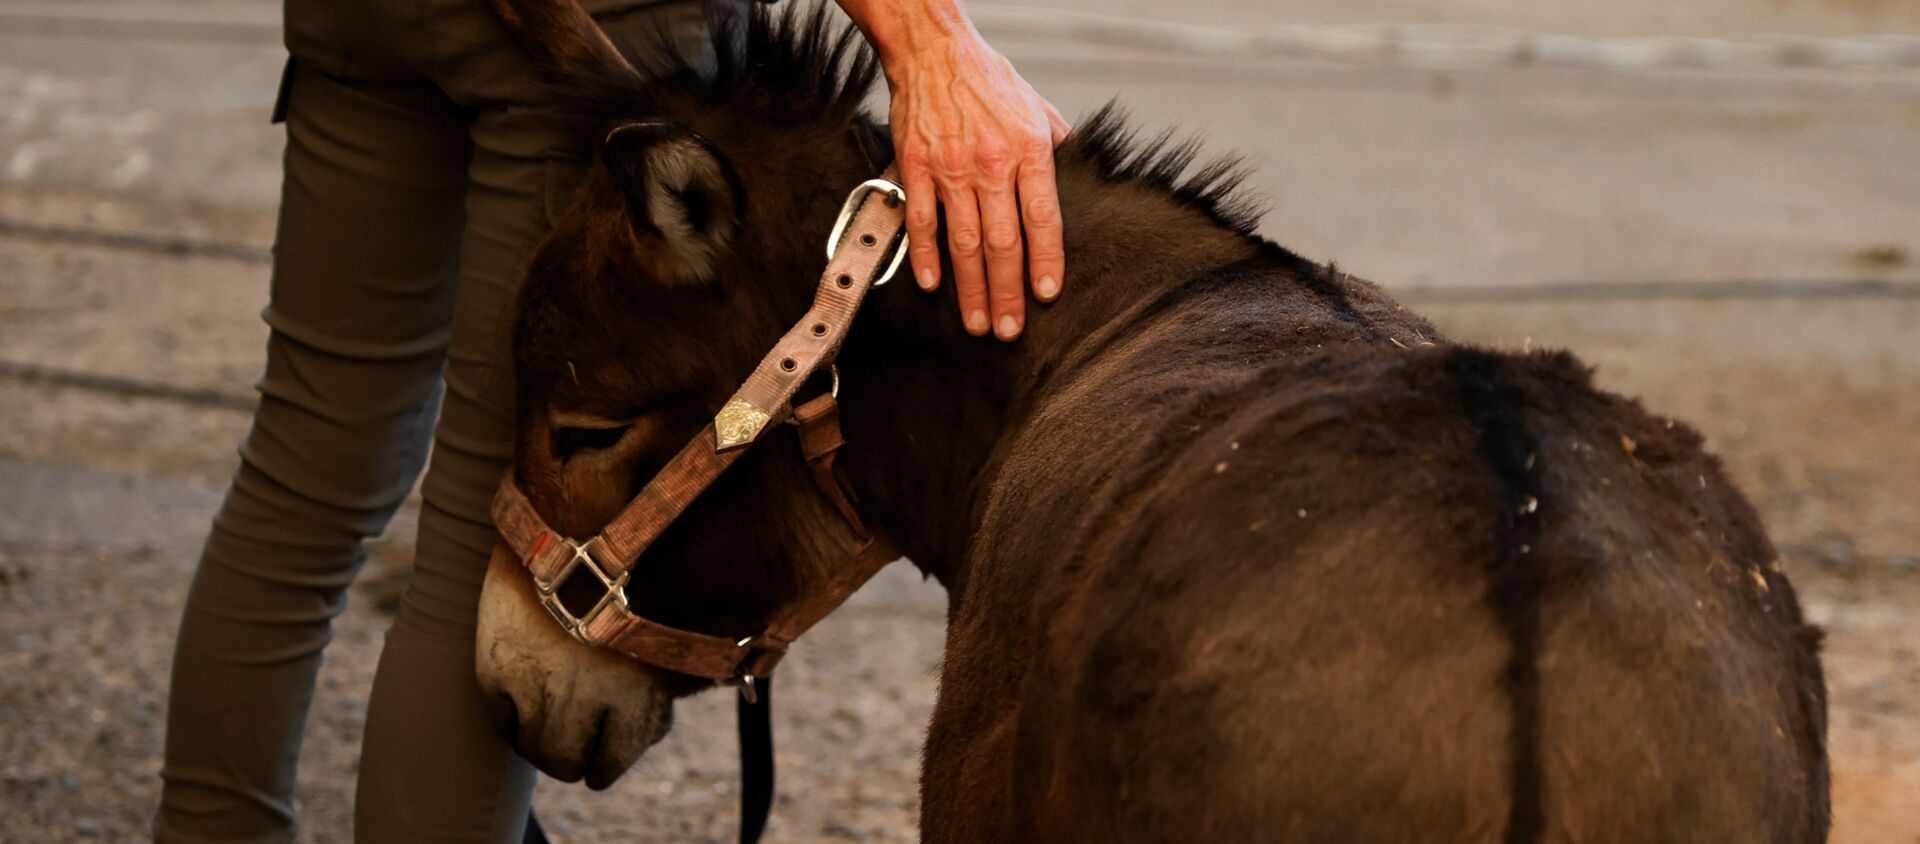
{"x": 582, "y": 583}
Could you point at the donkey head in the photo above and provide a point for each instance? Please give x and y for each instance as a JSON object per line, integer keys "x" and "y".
{"x": 690, "y": 247}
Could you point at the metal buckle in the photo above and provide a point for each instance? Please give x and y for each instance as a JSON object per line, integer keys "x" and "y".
{"x": 895, "y": 193}
{"x": 613, "y": 591}
{"x": 743, "y": 679}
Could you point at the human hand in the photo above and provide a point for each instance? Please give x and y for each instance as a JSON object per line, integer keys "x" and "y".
{"x": 974, "y": 138}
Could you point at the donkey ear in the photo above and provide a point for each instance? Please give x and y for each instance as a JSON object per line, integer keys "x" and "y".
{"x": 562, "y": 39}
{"x": 682, "y": 194}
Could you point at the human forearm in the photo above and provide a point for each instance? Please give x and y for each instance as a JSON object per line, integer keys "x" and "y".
{"x": 898, "y": 29}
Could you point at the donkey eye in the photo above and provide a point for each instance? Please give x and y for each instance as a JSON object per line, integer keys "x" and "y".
{"x": 569, "y": 441}
{"x": 621, "y": 431}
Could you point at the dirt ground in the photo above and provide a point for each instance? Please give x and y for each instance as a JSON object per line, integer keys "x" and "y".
{"x": 1604, "y": 209}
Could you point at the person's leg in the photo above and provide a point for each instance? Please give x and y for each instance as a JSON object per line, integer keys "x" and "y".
{"x": 371, "y": 213}
{"x": 433, "y": 766}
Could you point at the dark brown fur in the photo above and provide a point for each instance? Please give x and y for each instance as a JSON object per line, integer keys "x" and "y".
{"x": 1239, "y": 549}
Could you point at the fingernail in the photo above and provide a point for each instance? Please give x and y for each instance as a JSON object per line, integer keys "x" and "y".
{"x": 1048, "y": 287}
{"x": 1009, "y": 327}
{"x": 977, "y": 322}
{"x": 925, "y": 277}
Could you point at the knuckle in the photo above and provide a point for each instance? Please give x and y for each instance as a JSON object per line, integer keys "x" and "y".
{"x": 953, "y": 158}
{"x": 1037, "y": 150}
{"x": 1008, "y": 295}
{"x": 915, "y": 159}
{"x": 921, "y": 218}
{"x": 1043, "y": 211}
{"x": 966, "y": 242}
{"x": 993, "y": 156}
{"x": 1003, "y": 238}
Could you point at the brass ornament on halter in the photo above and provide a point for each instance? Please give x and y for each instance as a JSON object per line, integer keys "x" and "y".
{"x": 739, "y": 423}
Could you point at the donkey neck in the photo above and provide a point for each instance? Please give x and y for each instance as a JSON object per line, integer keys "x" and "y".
{"x": 927, "y": 408}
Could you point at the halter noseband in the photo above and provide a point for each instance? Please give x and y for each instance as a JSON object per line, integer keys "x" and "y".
{"x": 582, "y": 584}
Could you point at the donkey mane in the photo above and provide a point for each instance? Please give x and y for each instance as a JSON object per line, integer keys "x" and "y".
{"x": 1217, "y": 188}
{"x": 807, "y": 67}
{"x": 799, "y": 66}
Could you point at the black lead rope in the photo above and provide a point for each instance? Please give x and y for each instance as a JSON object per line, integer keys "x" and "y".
{"x": 756, "y": 760}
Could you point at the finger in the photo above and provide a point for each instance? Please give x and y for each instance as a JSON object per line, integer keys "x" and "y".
{"x": 1006, "y": 271}
{"x": 923, "y": 226}
{"x": 1040, "y": 216}
{"x": 1059, "y": 125}
{"x": 963, "y": 246}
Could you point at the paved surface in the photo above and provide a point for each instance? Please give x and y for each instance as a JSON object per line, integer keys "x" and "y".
{"x": 138, "y": 178}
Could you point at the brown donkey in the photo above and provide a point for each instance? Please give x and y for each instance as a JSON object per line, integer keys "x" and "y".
{"x": 1238, "y": 549}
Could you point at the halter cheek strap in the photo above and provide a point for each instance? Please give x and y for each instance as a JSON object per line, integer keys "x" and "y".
{"x": 582, "y": 584}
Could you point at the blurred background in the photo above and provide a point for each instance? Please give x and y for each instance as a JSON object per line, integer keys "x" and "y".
{"x": 1716, "y": 202}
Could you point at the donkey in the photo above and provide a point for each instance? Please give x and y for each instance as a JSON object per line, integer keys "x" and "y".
{"x": 1238, "y": 549}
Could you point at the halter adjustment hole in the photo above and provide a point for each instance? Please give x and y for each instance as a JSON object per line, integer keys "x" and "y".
{"x": 788, "y": 365}
{"x": 819, "y": 329}
{"x": 844, "y": 280}
{"x": 868, "y": 239}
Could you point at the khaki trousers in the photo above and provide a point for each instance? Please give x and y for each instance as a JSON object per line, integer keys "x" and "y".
{"x": 419, "y": 176}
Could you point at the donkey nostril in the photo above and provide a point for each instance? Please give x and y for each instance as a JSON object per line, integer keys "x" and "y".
{"x": 506, "y": 717}
{"x": 597, "y": 742}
